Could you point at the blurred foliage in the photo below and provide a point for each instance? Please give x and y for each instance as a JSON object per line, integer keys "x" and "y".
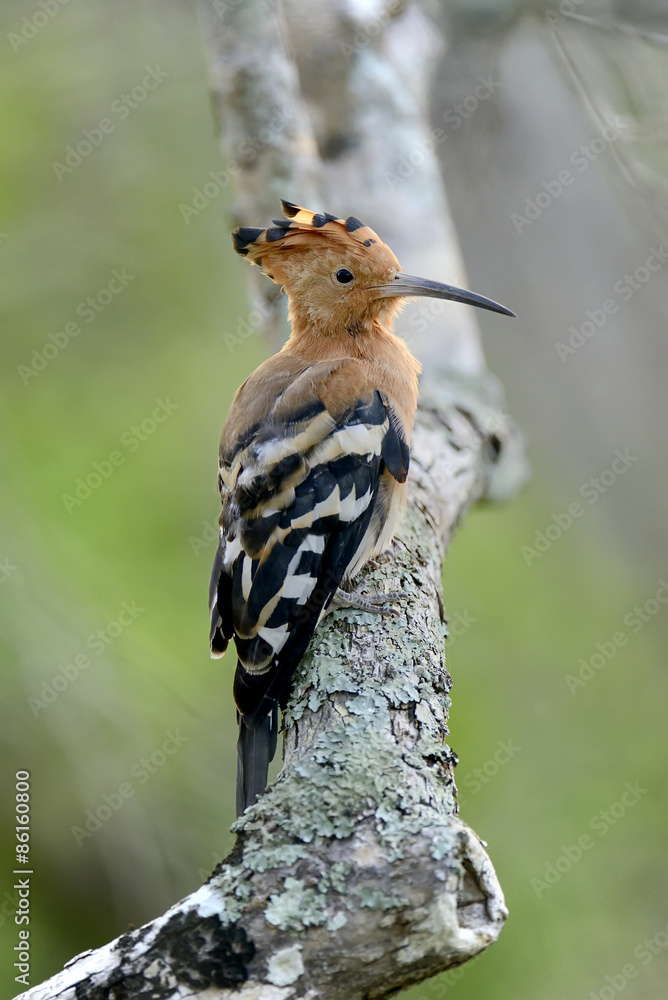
{"x": 143, "y": 538}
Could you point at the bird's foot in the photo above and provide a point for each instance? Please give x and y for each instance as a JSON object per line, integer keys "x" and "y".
{"x": 365, "y": 602}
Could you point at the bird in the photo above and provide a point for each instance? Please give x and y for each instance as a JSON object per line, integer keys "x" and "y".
{"x": 313, "y": 461}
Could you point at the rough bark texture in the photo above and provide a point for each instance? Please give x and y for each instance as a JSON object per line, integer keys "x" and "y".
{"x": 265, "y": 130}
{"x": 353, "y": 875}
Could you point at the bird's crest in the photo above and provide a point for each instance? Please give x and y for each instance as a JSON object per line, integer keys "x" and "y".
{"x": 298, "y": 231}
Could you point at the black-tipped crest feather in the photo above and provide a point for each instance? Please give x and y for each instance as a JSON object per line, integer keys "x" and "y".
{"x": 247, "y": 239}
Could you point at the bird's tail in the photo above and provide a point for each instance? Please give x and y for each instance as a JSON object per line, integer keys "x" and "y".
{"x": 255, "y": 751}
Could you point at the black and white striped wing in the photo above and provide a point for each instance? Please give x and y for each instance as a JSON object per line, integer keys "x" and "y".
{"x": 300, "y": 505}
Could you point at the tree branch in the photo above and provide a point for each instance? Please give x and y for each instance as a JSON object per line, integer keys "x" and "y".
{"x": 352, "y": 876}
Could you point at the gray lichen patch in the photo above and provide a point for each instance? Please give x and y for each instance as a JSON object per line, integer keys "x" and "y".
{"x": 374, "y": 898}
{"x": 233, "y": 891}
{"x": 432, "y": 748}
{"x": 338, "y": 875}
{"x": 443, "y": 843}
{"x": 321, "y": 675}
{"x": 266, "y": 851}
{"x": 278, "y": 856}
{"x": 338, "y": 921}
{"x": 400, "y": 671}
{"x": 285, "y": 966}
{"x": 297, "y": 907}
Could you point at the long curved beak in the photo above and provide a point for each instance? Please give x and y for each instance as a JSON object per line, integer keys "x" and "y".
{"x": 408, "y": 285}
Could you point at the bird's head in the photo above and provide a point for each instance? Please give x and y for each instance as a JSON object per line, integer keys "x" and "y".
{"x": 338, "y": 273}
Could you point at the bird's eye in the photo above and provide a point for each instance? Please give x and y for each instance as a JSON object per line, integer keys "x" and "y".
{"x": 344, "y": 276}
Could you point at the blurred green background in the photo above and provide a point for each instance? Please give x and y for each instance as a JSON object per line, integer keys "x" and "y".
{"x": 139, "y": 705}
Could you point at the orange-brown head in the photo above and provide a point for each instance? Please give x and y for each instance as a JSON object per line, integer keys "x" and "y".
{"x": 338, "y": 274}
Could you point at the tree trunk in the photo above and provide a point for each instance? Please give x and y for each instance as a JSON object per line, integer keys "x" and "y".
{"x": 352, "y": 876}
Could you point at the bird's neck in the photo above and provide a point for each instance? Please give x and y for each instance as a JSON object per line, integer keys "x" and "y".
{"x": 389, "y": 365}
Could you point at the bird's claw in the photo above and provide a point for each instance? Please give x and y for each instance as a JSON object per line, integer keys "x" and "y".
{"x": 366, "y": 602}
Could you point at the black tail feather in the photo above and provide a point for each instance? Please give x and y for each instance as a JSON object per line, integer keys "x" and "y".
{"x": 255, "y": 751}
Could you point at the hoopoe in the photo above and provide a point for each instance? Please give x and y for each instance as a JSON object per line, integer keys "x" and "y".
{"x": 313, "y": 459}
